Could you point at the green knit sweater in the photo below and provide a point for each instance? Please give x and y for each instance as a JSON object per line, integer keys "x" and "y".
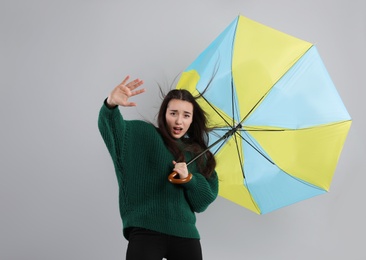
{"x": 142, "y": 164}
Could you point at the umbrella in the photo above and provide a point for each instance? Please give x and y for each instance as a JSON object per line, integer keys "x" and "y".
{"x": 278, "y": 122}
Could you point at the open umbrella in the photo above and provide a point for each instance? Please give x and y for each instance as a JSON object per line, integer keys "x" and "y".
{"x": 279, "y": 122}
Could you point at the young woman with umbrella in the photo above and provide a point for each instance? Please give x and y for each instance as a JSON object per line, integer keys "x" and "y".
{"x": 158, "y": 216}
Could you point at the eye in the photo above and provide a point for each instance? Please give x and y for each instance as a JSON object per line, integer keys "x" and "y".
{"x": 187, "y": 116}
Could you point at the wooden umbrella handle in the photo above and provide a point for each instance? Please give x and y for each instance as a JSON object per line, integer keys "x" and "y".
{"x": 174, "y": 180}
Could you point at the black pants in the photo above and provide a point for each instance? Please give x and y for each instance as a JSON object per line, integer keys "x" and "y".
{"x": 150, "y": 245}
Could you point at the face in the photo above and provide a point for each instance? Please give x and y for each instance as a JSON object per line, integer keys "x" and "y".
{"x": 178, "y": 116}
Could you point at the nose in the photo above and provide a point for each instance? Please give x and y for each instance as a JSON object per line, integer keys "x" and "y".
{"x": 178, "y": 120}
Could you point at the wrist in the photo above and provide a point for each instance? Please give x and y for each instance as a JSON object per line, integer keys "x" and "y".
{"x": 109, "y": 103}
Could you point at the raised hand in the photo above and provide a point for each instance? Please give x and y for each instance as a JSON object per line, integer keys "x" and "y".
{"x": 120, "y": 94}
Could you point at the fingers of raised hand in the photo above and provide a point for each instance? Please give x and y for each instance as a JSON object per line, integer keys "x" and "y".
{"x": 134, "y": 84}
{"x": 125, "y": 80}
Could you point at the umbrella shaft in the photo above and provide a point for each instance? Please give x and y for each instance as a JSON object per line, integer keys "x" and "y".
{"x": 225, "y": 136}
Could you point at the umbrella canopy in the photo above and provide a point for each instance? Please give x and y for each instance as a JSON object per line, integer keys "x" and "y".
{"x": 271, "y": 101}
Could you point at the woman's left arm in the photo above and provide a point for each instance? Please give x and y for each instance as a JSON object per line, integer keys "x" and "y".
{"x": 201, "y": 192}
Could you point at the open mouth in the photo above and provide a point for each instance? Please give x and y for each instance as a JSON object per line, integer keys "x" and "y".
{"x": 177, "y": 130}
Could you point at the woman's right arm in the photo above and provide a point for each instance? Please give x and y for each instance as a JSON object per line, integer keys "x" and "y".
{"x": 110, "y": 121}
{"x": 112, "y": 128}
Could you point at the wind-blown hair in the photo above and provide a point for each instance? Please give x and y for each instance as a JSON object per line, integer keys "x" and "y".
{"x": 196, "y": 138}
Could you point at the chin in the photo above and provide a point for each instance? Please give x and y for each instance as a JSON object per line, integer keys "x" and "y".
{"x": 177, "y": 136}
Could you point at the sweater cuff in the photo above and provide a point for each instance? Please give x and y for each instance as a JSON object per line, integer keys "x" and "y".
{"x": 108, "y": 106}
{"x": 107, "y": 112}
{"x": 192, "y": 183}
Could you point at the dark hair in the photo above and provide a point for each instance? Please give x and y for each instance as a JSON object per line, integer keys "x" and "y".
{"x": 196, "y": 138}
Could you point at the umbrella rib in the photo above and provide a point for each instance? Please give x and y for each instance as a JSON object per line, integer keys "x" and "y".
{"x": 239, "y": 155}
{"x": 217, "y": 112}
{"x": 223, "y": 142}
{"x": 234, "y": 109}
{"x": 266, "y": 130}
{"x": 255, "y": 148}
{"x": 201, "y": 95}
{"x": 243, "y": 172}
{"x": 222, "y": 139}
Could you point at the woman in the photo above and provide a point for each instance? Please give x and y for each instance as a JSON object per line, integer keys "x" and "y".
{"x": 159, "y": 216}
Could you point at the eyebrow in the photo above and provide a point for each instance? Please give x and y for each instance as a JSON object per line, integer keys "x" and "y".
{"x": 185, "y": 112}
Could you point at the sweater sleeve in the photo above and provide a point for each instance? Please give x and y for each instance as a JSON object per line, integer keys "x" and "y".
{"x": 112, "y": 128}
{"x": 201, "y": 192}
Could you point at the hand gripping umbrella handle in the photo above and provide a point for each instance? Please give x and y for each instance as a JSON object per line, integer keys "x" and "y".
{"x": 174, "y": 180}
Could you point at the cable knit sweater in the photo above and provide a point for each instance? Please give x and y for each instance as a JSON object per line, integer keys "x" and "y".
{"x": 142, "y": 164}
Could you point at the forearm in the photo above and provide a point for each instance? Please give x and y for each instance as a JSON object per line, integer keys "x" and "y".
{"x": 111, "y": 127}
{"x": 201, "y": 192}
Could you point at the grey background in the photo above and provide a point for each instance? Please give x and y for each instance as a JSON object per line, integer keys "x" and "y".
{"x": 60, "y": 59}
